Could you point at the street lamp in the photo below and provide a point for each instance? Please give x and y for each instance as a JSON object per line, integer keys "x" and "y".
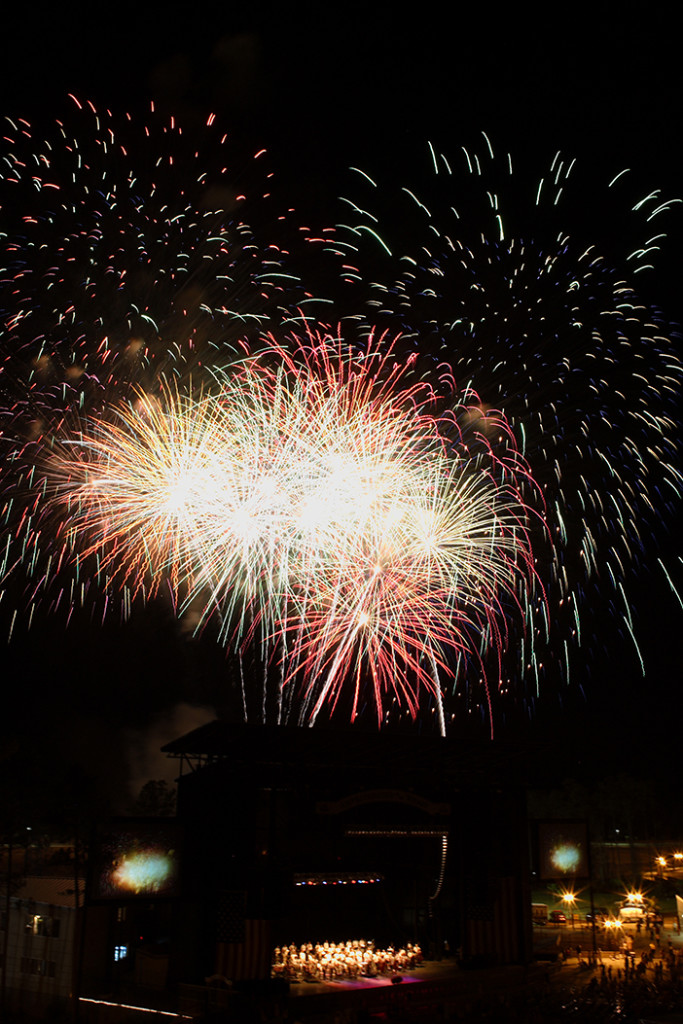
{"x": 610, "y": 930}
{"x": 569, "y": 899}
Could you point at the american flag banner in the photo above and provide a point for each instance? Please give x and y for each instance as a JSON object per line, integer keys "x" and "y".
{"x": 493, "y": 925}
{"x": 243, "y": 950}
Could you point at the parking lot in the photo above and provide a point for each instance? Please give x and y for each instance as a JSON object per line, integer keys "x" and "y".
{"x": 552, "y": 940}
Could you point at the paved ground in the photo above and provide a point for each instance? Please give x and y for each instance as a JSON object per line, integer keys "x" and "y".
{"x": 553, "y": 939}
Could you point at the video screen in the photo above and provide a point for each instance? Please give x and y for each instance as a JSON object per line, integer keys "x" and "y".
{"x": 563, "y": 850}
{"x": 136, "y": 860}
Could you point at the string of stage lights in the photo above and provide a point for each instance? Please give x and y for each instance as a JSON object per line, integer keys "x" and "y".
{"x": 330, "y": 502}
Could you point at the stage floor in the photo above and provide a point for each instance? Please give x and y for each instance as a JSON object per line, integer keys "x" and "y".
{"x": 433, "y": 985}
{"x": 428, "y": 971}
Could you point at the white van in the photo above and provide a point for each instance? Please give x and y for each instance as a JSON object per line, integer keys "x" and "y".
{"x": 632, "y": 913}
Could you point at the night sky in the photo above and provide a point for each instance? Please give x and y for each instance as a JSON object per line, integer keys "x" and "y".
{"x": 324, "y": 88}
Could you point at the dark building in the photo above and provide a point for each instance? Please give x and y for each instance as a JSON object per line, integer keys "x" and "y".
{"x": 287, "y": 836}
{"x": 296, "y": 836}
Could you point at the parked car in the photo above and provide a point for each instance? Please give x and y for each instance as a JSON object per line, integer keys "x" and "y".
{"x": 601, "y": 915}
{"x": 557, "y": 917}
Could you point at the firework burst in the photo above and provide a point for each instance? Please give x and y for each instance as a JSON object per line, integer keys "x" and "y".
{"x": 128, "y": 492}
{"x": 332, "y": 505}
{"x": 317, "y": 504}
{"x": 125, "y": 255}
{"x": 500, "y": 278}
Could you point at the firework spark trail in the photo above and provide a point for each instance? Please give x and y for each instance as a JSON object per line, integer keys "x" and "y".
{"x": 511, "y": 288}
{"x": 320, "y": 507}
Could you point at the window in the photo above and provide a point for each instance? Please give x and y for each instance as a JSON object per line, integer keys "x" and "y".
{"x": 120, "y": 952}
{"x": 33, "y": 965}
{"x": 48, "y": 927}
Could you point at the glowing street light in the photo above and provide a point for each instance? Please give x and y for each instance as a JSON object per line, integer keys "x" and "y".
{"x": 611, "y": 925}
{"x": 569, "y": 899}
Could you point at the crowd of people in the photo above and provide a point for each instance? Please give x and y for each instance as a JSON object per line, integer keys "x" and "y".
{"x": 632, "y": 983}
{"x": 608, "y": 987}
{"x": 342, "y": 961}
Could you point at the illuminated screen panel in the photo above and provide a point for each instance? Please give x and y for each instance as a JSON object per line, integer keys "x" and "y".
{"x": 563, "y": 850}
{"x": 136, "y": 860}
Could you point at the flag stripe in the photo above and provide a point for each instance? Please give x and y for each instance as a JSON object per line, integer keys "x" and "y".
{"x": 248, "y": 960}
{"x": 495, "y": 932}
